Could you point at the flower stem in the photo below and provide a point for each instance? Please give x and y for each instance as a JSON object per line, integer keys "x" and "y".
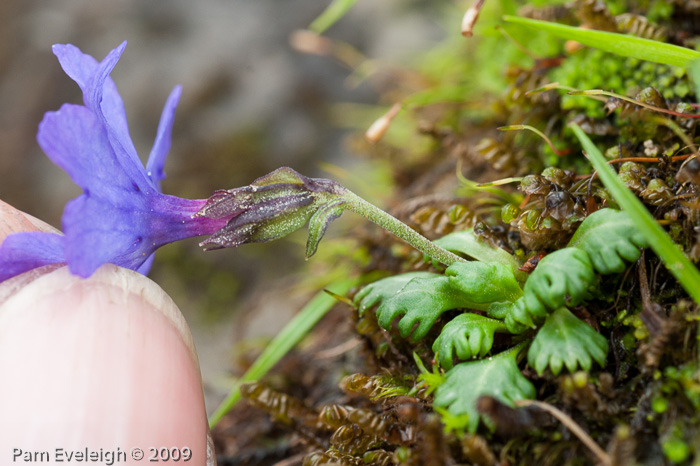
{"x": 390, "y": 223}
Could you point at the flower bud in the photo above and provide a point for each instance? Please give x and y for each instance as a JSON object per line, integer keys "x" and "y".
{"x": 305, "y": 41}
{"x": 377, "y": 130}
{"x": 470, "y": 17}
{"x": 272, "y": 207}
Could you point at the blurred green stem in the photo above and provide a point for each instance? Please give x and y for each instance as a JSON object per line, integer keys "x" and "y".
{"x": 290, "y": 335}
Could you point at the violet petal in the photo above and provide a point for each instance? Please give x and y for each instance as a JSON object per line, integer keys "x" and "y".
{"x": 81, "y": 67}
{"x": 97, "y": 232}
{"x": 161, "y": 146}
{"x": 144, "y": 268}
{"x": 75, "y": 140}
{"x": 21, "y": 252}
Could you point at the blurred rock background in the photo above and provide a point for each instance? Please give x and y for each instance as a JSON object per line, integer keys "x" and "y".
{"x": 250, "y": 104}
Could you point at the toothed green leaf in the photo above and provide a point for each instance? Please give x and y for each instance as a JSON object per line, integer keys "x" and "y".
{"x": 564, "y": 340}
{"x": 420, "y": 303}
{"x": 473, "y": 285}
{"x": 499, "y": 310}
{"x": 468, "y": 244}
{"x": 516, "y": 316}
{"x": 484, "y": 282}
{"x": 609, "y": 236}
{"x": 564, "y": 277}
{"x": 384, "y": 289}
{"x": 497, "y": 376}
{"x": 466, "y": 336}
{"x": 319, "y": 223}
{"x": 516, "y": 319}
{"x": 519, "y": 316}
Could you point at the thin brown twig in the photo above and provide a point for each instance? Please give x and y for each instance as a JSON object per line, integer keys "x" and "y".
{"x": 338, "y": 350}
{"x": 675, "y": 158}
{"x": 557, "y": 86}
{"x": 643, "y": 283}
{"x": 559, "y": 153}
{"x": 673, "y": 126}
{"x": 572, "y": 426}
{"x": 599, "y": 92}
{"x": 590, "y": 202}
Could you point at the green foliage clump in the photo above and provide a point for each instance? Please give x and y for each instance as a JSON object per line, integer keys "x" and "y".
{"x": 566, "y": 277}
{"x": 481, "y": 316}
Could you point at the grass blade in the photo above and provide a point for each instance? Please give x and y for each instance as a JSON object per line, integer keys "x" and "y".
{"x": 331, "y": 14}
{"x": 670, "y": 254}
{"x": 619, "y": 44}
{"x": 290, "y": 335}
{"x": 694, "y": 71}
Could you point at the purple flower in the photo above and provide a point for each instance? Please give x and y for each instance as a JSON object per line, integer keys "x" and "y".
{"x": 121, "y": 217}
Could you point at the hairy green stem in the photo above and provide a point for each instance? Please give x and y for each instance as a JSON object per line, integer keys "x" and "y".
{"x": 390, "y": 223}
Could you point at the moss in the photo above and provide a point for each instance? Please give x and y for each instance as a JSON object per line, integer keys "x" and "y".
{"x": 641, "y": 406}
